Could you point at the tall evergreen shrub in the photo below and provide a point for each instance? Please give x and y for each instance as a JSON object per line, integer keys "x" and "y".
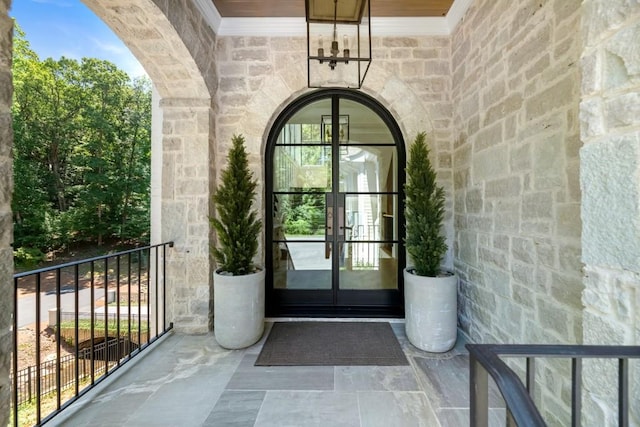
{"x": 424, "y": 210}
{"x": 236, "y": 224}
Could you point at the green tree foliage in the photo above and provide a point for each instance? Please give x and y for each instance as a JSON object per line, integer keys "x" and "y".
{"x": 424, "y": 209}
{"x": 237, "y": 225}
{"x": 305, "y": 214}
{"x": 81, "y": 151}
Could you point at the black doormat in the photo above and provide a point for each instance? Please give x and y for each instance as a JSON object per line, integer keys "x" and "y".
{"x": 331, "y": 344}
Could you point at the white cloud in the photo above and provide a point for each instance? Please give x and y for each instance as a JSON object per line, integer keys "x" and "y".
{"x": 59, "y": 3}
{"x": 134, "y": 69}
{"x": 109, "y": 47}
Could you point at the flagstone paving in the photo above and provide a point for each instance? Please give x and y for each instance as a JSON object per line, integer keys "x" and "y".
{"x": 189, "y": 380}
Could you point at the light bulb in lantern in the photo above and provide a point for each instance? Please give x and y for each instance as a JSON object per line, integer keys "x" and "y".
{"x": 320, "y": 47}
{"x": 345, "y": 42}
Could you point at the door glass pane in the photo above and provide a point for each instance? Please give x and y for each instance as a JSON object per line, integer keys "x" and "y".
{"x": 361, "y": 125}
{"x": 371, "y": 217}
{"x": 302, "y": 167}
{"x": 299, "y": 216}
{"x": 302, "y": 265}
{"x": 368, "y": 169}
{"x": 302, "y": 157}
{"x": 369, "y": 266}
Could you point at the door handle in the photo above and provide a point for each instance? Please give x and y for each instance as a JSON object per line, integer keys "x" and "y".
{"x": 328, "y": 226}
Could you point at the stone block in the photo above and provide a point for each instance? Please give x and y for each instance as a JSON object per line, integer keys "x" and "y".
{"x": 506, "y": 216}
{"x": 494, "y": 93}
{"x": 520, "y": 158}
{"x": 426, "y": 53}
{"x": 434, "y": 67}
{"x": 467, "y": 244}
{"x": 258, "y": 54}
{"x": 395, "y": 42}
{"x": 537, "y": 205}
{"x": 509, "y": 105}
{"x": 411, "y": 69}
{"x": 568, "y": 220}
{"x": 523, "y": 250}
{"x": 559, "y": 95}
{"x": 532, "y": 47}
{"x": 623, "y": 111}
{"x": 591, "y": 67}
{"x": 616, "y": 75}
{"x": 611, "y": 231}
{"x": 552, "y": 317}
{"x": 624, "y": 45}
{"x": 569, "y": 257}
{"x": 600, "y": 16}
{"x": 400, "y": 54}
{"x": 503, "y": 187}
{"x": 564, "y": 9}
{"x": 498, "y": 281}
{"x": 260, "y": 69}
{"x": 567, "y": 289}
{"x": 492, "y": 257}
{"x": 537, "y": 67}
{"x": 591, "y": 118}
{"x": 490, "y": 163}
{"x": 469, "y": 106}
{"x": 488, "y": 137}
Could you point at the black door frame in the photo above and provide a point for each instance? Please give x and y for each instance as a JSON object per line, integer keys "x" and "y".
{"x": 281, "y": 302}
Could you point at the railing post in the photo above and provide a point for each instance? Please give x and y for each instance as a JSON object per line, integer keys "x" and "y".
{"x": 29, "y": 382}
{"x": 531, "y": 376}
{"x": 623, "y": 392}
{"x": 479, "y": 394}
{"x": 576, "y": 392}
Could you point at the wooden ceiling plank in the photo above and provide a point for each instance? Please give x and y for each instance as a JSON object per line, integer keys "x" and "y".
{"x": 295, "y": 8}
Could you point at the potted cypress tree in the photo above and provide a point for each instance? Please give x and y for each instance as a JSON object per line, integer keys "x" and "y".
{"x": 430, "y": 292}
{"x": 238, "y": 284}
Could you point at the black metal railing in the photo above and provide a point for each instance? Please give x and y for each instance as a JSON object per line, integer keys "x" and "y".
{"x": 100, "y": 312}
{"x": 485, "y": 359}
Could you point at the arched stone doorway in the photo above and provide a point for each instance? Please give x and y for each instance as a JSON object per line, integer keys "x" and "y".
{"x": 334, "y": 182}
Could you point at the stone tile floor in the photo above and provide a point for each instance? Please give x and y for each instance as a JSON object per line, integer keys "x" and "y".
{"x": 189, "y": 380}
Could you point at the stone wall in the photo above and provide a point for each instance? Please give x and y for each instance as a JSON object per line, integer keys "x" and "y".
{"x": 259, "y": 76}
{"x": 6, "y": 219}
{"x": 610, "y": 180}
{"x": 516, "y": 88}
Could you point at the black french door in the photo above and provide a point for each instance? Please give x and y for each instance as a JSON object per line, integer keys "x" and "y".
{"x": 335, "y": 171}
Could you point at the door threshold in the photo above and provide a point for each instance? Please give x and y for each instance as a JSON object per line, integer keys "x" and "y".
{"x": 335, "y": 319}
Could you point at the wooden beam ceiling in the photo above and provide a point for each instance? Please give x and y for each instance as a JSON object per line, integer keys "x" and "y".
{"x": 295, "y": 8}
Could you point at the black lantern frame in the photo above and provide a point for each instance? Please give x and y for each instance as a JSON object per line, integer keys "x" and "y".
{"x": 345, "y": 59}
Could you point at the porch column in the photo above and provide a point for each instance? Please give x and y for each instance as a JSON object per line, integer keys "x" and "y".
{"x": 610, "y": 181}
{"x": 180, "y": 204}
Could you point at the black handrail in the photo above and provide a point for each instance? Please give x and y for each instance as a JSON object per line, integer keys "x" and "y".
{"x": 521, "y": 410}
{"x": 121, "y": 351}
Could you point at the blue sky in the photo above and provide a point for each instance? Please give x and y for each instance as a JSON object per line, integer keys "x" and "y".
{"x": 68, "y": 28}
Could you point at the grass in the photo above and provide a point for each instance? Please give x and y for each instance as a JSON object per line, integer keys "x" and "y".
{"x": 112, "y": 326}
{"x": 27, "y": 412}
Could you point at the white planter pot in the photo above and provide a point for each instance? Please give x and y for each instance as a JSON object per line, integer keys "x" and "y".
{"x": 238, "y": 309}
{"x": 431, "y": 311}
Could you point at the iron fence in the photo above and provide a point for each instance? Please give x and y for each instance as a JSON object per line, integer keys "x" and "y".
{"x": 26, "y": 378}
{"x": 100, "y": 335}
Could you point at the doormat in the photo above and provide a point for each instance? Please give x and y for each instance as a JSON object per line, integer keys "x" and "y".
{"x": 331, "y": 344}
